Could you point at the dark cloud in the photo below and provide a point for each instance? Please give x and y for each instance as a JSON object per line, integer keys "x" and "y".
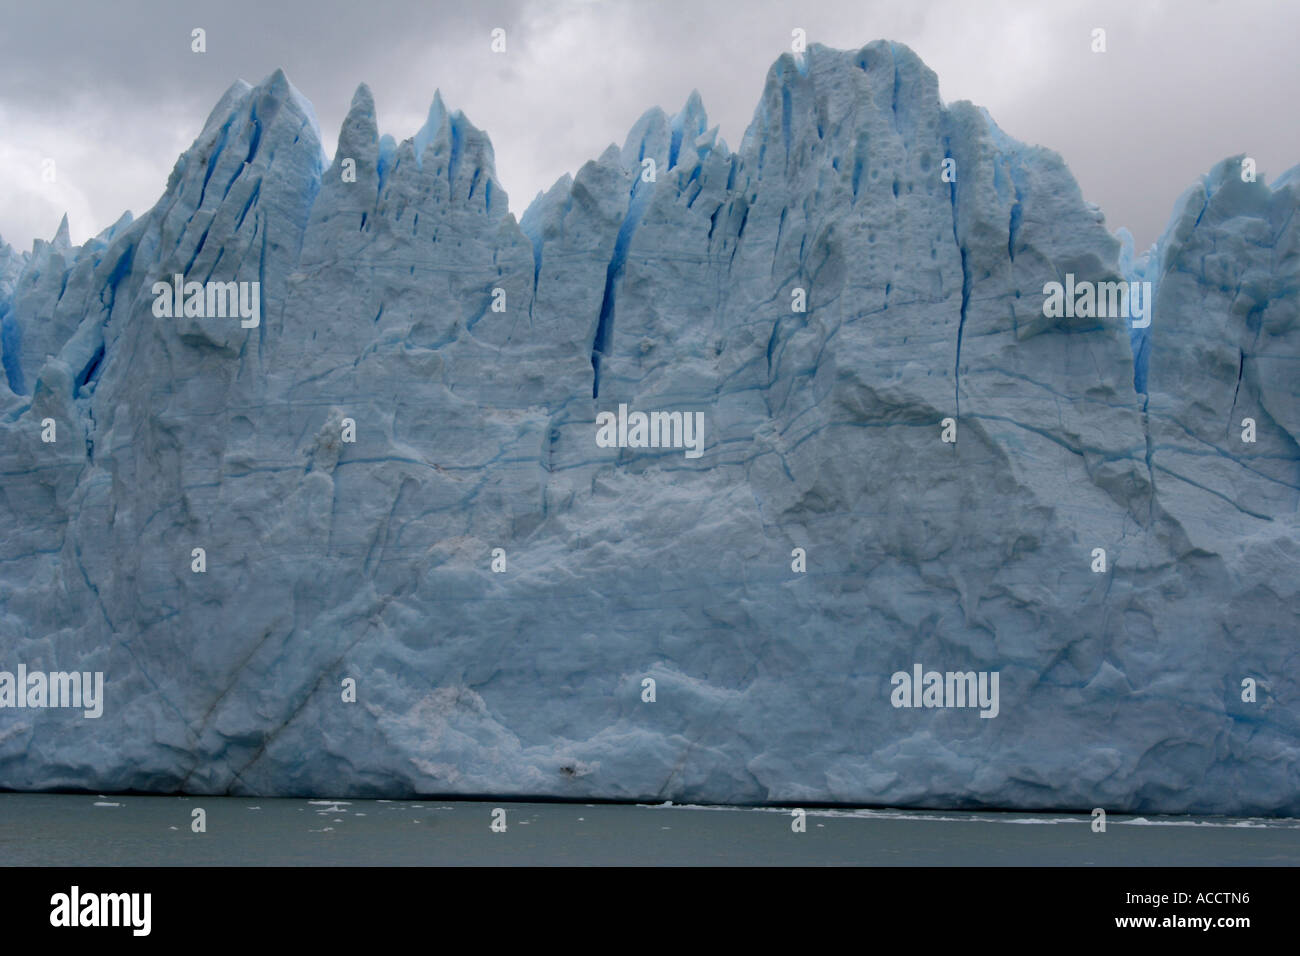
{"x": 112, "y": 92}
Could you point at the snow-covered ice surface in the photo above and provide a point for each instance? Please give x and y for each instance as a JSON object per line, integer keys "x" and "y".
{"x": 475, "y": 430}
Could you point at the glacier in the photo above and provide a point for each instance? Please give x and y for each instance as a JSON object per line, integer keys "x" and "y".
{"x": 373, "y": 560}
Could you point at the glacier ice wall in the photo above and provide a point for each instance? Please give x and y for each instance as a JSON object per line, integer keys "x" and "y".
{"x": 475, "y": 430}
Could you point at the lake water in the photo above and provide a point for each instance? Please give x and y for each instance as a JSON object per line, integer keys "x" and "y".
{"x": 70, "y": 830}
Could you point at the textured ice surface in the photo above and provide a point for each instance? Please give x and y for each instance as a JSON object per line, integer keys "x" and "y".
{"x": 475, "y": 430}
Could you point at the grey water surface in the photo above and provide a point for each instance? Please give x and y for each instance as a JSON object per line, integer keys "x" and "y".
{"x": 80, "y": 829}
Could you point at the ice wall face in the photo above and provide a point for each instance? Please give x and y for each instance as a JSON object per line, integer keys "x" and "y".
{"x": 1228, "y": 271}
{"x": 679, "y": 291}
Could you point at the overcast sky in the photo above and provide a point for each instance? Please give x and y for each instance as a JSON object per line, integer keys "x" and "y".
{"x": 112, "y": 92}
